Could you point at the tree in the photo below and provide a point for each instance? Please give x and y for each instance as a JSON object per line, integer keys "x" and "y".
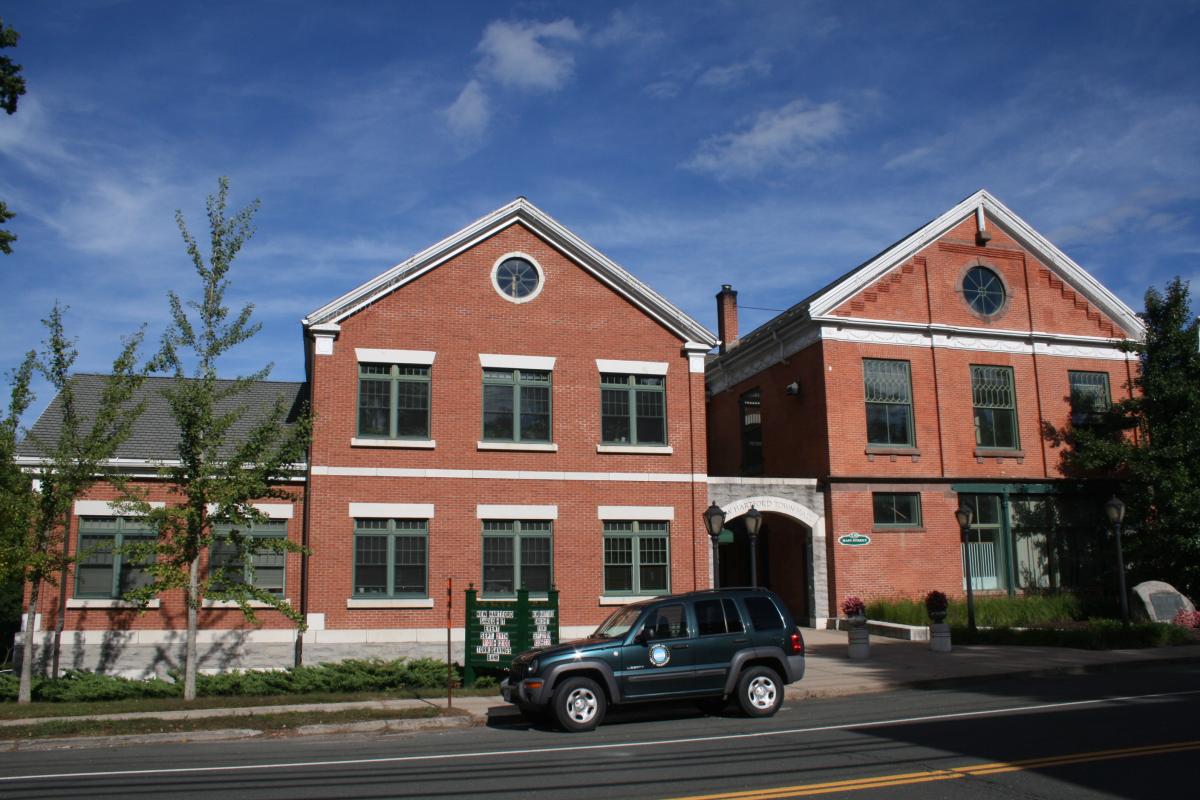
{"x": 35, "y": 545}
{"x": 220, "y": 473}
{"x": 12, "y": 86}
{"x": 1150, "y": 444}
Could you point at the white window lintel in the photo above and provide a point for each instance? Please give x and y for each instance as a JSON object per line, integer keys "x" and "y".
{"x": 391, "y": 510}
{"x": 648, "y": 513}
{"x": 373, "y": 355}
{"x": 515, "y": 512}
{"x": 500, "y": 361}
{"x": 632, "y": 367}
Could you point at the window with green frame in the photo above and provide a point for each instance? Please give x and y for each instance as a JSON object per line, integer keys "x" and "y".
{"x": 633, "y": 409}
{"x": 105, "y": 569}
{"x": 393, "y": 401}
{"x": 896, "y": 509}
{"x": 752, "y": 437}
{"x": 995, "y": 407}
{"x": 265, "y": 567}
{"x": 1090, "y": 396}
{"x": 516, "y": 405}
{"x": 636, "y": 558}
{"x": 887, "y": 386}
{"x": 391, "y": 557}
{"x": 517, "y": 553}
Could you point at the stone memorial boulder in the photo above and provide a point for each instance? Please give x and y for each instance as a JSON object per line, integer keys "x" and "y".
{"x": 1159, "y": 602}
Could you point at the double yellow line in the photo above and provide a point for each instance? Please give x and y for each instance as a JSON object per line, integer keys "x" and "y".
{"x": 976, "y": 770}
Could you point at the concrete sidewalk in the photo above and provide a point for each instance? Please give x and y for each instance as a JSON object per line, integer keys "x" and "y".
{"x": 893, "y": 664}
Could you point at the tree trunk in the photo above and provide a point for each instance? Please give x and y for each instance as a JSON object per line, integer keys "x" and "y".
{"x": 25, "y": 693}
{"x": 193, "y": 613}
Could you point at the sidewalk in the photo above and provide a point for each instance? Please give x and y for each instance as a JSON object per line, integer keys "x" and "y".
{"x": 893, "y": 664}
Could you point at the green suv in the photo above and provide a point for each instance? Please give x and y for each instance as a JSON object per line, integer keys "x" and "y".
{"x": 710, "y": 646}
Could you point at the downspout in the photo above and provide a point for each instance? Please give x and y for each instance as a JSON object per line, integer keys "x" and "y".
{"x": 1037, "y": 381}
{"x": 937, "y": 399}
{"x": 304, "y": 527}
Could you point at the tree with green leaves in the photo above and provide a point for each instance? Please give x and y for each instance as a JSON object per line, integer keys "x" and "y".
{"x": 220, "y": 473}
{"x": 1149, "y": 444}
{"x": 35, "y": 543}
{"x": 12, "y": 86}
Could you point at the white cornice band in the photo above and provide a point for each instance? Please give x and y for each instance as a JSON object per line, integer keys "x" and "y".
{"x": 511, "y": 475}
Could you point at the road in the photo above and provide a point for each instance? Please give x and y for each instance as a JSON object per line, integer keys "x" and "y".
{"x": 1129, "y": 734}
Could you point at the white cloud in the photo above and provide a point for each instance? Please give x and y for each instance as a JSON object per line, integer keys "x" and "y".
{"x": 779, "y": 137}
{"x": 529, "y": 55}
{"x": 914, "y": 157}
{"x": 468, "y": 116}
{"x": 662, "y": 90}
{"x": 730, "y": 75}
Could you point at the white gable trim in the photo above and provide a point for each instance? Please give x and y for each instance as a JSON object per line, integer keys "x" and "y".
{"x": 520, "y": 210}
{"x": 1079, "y": 279}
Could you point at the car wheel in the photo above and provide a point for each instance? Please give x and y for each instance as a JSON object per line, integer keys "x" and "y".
{"x": 579, "y": 704}
{"x": 759, "y": 692}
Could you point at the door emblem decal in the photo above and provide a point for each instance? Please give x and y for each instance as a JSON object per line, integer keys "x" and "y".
{"x": 660, "y": 655}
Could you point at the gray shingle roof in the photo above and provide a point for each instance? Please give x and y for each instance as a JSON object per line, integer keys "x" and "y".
{"x": 155, "y": 436}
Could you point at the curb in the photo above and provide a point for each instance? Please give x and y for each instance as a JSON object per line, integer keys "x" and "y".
{"x": 79, "y": 742}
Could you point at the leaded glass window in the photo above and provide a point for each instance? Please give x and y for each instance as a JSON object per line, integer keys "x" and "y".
{"x": 1090, "y": 396}
{"x": 633, "y": 409}
{"x": 887, "y": 386}
{"x": 636, "y": 558}
{"x": 393, "y": 401}
{"x": 391, "y": 558}
{"x": 516, "y": 405}
{"x": 983, "y": 290}
{"x": 516, "y": 554}
{"x": 995, "y": 406}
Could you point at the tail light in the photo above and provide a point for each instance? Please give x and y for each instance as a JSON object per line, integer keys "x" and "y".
{"x": 796, "y": 643}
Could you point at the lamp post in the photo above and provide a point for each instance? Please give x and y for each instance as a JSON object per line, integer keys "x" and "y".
{"x": 1114, "y": 509}
{"x": 963, "y": 516}
{"x": 753, "y": 524}
{"x": 714, "y": 522}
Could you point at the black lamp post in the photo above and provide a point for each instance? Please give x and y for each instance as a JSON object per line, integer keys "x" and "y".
{"x": 714, "y": 522}
{"x": 753, "y": 524}
{"x": 963, "y": 515}
{"x": 1115, "y": 510}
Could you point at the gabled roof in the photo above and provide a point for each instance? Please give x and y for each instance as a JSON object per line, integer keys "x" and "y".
{"x": 155, "y": 436}
{"x": 825, "y": 300}
{"x": 553, "y": 233}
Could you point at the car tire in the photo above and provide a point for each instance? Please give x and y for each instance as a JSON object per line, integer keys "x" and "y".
{"x": 579, "y": 704}
{"x": 759, "y": 692}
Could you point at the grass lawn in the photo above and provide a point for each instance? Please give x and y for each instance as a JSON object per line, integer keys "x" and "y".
{"x": 31, "y": 710}
{"x": 267, "y": 723}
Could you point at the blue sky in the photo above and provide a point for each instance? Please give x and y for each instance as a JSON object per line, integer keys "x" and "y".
{"x": 769, "y": 145}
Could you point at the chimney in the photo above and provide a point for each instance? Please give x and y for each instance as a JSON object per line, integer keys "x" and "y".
{"x": 727, "y": 323}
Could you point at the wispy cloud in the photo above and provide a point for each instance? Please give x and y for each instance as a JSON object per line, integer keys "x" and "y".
{"x": 468, "y": 116}
{"x": 730, "y": 75}
{"x": 529, "y": 55}
{"x": 779, "y": 137}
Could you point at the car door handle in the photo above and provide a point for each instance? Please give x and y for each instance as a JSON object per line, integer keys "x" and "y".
{"x": 740, "y": 641}
{"x": 679, "y": 647}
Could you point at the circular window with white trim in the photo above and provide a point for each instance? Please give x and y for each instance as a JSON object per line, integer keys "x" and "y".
{"x": 517, "y": 277}
{"x": 984, "y": 291}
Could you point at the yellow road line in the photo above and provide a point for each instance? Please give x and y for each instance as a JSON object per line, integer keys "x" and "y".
{"x": 975, "y": 770}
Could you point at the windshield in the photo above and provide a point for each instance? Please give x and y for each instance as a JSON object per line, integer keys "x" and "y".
{"x": 618, "y": 624}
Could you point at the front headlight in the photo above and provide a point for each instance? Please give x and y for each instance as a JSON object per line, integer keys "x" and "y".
{"x": 532, "y": 667}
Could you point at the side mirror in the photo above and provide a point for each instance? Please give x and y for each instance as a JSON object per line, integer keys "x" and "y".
{"x": 643, "y": 635}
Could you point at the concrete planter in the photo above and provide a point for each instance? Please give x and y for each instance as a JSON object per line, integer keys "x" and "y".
{"x": 939, "y": 637}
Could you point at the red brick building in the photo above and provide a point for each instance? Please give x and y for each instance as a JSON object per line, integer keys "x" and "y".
{"x": 863, "y": 416}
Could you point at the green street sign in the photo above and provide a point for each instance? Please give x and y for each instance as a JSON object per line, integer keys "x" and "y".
{"x": 854, "y": 539}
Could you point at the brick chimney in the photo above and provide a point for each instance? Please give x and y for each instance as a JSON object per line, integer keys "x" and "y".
{"x": 727, "y": 322}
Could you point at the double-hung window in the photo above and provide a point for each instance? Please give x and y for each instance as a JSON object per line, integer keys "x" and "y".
{"x": 516, "y": 405}
{"x": 636, "y": 558}
{"x": 391, "y": 557}
{"x": 516, "y": 554}
{"x": 633, "y": 409}
{"x": 752, "y": 436}
{"x": 995, "y": 407}
{"x": 887, "y": 386}
{"x": 252, "y": 560}
{"x": 1090, "y": 396}
{"x": 393, "y": 401}
{"x": 108, "y": 565}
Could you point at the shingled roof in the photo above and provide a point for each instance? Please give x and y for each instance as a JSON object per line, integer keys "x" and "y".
{"x": 155, "y": 437}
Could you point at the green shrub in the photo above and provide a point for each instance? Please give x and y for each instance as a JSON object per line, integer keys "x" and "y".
{"x": 1097, "y": 634}
{"x": 486, "y": 682}
{"x": 1022, "y": 611}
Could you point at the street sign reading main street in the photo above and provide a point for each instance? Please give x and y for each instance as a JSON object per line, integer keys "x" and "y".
{"x": 854, "y": 539}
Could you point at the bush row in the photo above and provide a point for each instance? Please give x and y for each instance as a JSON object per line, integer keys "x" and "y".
{"x": 370, "y": 675}
{"x": 993, "y": 612}
{"x": 1097, "y": 634}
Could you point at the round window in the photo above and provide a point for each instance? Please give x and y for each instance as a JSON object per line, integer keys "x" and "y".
{"x": 517, "y": 279}
{"x": 983, "y": 290}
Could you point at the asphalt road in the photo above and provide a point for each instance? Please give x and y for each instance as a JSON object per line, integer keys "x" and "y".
{"x": 1128, "y": 734}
